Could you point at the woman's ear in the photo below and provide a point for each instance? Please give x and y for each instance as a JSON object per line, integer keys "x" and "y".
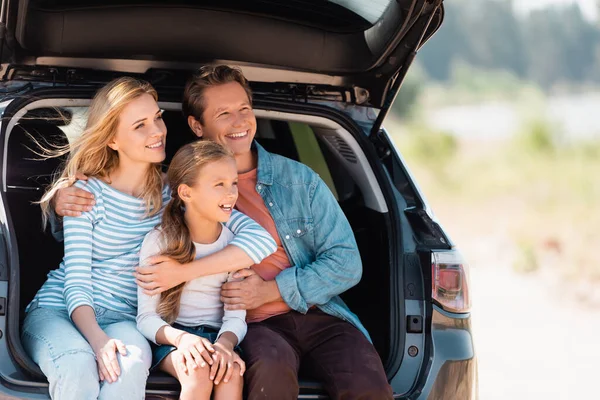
{"x": 195, "y": 126}
{"x": 184, "y": 192}
{"x": 113, "y": 145}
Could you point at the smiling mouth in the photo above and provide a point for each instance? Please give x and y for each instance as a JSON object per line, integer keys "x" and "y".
{"x": 238, "y": 135}
{"x": 226, "y": 207}
{"x": 156, "y": 145}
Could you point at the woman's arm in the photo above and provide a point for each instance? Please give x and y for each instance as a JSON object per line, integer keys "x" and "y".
{"x": 256, "y": 242}
{"x": 251, "y": 245}
{"x": 78, "y": 292}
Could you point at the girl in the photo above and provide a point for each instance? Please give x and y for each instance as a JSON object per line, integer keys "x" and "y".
{"x": 188, "y": 322}
{"x": 80, "y": 327}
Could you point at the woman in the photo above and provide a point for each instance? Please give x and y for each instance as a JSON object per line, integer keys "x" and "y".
{"x": 80, "y": 327}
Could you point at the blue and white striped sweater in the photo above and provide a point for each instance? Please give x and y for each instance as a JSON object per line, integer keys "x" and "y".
{"x": 102, "y": 248}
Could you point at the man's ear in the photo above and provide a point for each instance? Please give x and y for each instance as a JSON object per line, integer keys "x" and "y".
{"x": 184, "y": 192}
{"x": 195, "y": 126}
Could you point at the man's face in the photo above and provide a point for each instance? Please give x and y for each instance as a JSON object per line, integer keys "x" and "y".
{"x": 228, "y": 118}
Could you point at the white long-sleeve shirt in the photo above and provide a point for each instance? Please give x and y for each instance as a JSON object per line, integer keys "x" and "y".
{"x": 200, "y": 300}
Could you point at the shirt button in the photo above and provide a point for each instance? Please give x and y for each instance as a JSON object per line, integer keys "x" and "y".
{"x": 270, "y": 204}
{"x": 298, "y": 231}
{"x": 259, "y": 187}
{"x": 287, "y": 237}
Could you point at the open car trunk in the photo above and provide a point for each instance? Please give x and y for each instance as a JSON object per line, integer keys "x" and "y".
{"x": 329, "y": 145}
{"x": 324, "y": 74}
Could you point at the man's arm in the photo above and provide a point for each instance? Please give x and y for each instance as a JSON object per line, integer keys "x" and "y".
{"x": 337, "y": 266}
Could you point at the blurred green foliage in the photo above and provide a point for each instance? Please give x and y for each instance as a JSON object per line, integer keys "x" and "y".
{"x": 430, "y": 146}
{"x": 550, "y": 46}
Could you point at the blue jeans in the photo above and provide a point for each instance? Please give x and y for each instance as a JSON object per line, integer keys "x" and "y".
{"x": 69, "y": 363}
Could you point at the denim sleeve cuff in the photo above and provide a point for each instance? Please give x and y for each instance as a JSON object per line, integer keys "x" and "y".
{"x": 288, "y": 287}
{"x": 56, "y": 226}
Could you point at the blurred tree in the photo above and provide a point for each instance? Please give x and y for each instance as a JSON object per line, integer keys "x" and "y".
{"x": 548, "y": 46}
{"x": 560, "y": 45}
{"x": 409, "y": 93}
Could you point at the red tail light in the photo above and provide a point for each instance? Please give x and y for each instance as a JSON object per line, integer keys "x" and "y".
{"x": 450, "y": 281}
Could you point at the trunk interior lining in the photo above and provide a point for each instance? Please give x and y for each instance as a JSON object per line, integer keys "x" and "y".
{"x": 39, "y": 252}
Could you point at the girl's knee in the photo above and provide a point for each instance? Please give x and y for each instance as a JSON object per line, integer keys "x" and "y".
{"x": 197, "y": 380}
{"x": 236, "y": 379}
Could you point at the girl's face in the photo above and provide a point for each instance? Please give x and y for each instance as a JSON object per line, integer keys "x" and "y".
{"x": 215, "y": 191}
{"x": 141, "y": 133}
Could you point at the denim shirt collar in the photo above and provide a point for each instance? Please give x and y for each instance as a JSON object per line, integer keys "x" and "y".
{"x": 265, "y": 165}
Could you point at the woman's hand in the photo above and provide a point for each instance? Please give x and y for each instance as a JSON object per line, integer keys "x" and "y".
{"x": 105, "y": 350}
{"x": 160, "y": 273}
{"x": 193, "y": 352}
{"x": 224, "y": 359}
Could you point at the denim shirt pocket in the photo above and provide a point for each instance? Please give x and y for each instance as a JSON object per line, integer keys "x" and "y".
{"x": 299, "y": 227}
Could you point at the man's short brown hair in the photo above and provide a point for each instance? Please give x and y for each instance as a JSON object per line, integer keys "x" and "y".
{"x": 206, "y": 77}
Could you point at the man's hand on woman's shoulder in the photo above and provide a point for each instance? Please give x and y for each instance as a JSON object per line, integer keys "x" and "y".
{"x": 72, "y": 201}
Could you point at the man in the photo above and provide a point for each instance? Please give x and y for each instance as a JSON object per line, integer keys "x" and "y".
{"x": 296, "y": 317}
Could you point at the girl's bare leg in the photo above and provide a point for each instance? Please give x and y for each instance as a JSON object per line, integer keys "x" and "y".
{"x": 196, "y": 384}
{"x": 232, "y": 390}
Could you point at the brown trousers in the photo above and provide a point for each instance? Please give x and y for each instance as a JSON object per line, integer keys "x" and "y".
{"x": 322, "y": 347}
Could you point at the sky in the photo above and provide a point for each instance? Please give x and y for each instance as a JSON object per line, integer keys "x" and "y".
{"x": 588, "y": 7}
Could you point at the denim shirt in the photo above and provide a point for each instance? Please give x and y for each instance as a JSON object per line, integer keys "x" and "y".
{"x": 316, "y": 236}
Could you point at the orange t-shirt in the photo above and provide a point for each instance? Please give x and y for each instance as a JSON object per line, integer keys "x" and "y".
{"x": 250, "y": 203}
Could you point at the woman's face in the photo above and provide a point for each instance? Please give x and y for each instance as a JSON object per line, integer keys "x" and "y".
{"x": 215, "y": 191}
{"x": 141, "y": 132}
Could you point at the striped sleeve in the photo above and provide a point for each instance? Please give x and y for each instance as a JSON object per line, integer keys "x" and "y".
{"x": 250, "y": 237}
{"x": 78, "y": 290}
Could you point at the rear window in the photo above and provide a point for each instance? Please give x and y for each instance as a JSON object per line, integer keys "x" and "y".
{"x": 331, "y": 15}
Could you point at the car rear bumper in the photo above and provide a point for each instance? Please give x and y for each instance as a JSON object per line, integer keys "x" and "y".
{"x": 452, "y": 371}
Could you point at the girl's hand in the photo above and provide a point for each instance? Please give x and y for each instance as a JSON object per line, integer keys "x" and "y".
{"x": 105, "y": 350}
{"x": 194, "y": 352}
{"x": 224, "y": 359}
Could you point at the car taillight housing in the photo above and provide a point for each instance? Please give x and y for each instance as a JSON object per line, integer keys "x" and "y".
{"x": 450, "y": 281}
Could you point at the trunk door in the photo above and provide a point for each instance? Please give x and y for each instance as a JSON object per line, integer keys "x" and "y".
{"x": 360, "y": 49}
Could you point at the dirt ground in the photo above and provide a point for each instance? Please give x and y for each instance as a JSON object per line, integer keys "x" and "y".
{"x": 533, "y": 339}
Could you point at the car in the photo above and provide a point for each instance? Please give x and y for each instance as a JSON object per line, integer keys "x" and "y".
{"x": 324, "y": 75}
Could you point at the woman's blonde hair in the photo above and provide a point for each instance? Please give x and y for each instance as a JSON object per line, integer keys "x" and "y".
{"x": 90, "y": 155}
{"x": 183, "y": 170}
